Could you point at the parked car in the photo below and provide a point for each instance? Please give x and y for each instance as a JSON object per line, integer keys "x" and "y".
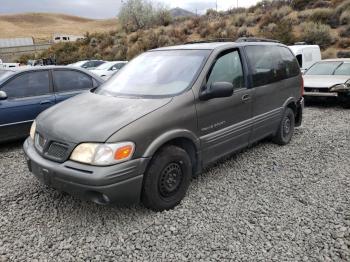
{"x": 167, "y": 115}
{"x": 307, "y": 55}
{"x": 329, "y": 78}
{"x": 42, "y": 62}
{"x": 88, "y": 64}
{"x": 107, "y": 69}
{"x": 24, "y": 93}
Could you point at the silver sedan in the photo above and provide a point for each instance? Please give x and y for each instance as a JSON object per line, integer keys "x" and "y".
{"x": 329, "y": 78}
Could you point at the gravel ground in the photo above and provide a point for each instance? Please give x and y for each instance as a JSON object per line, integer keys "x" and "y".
{"x": 288, "y": 203}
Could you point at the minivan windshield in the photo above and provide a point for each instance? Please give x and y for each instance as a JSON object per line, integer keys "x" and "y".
{"x": 323, "y": 68}
{"x": 157, "y": 73}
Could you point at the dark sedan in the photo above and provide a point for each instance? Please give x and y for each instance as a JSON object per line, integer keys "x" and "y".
{"x": 24, "y": 93}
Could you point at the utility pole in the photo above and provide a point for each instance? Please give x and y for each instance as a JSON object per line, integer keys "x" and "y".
{"x": 216, "y": 5}
{"x": 237, "y": 3}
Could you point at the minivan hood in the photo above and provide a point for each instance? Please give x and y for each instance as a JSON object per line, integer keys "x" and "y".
{"x": 91, "y": 117}
{"x": 322, "y": 81}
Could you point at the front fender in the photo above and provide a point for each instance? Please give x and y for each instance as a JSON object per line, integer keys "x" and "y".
{"x": 171, "y": 135}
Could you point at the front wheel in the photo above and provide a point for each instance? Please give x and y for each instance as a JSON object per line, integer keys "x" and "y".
{"x": 345, "y": 100}
{"x": 167, "y": 179}
{"x": 286, "y": 128}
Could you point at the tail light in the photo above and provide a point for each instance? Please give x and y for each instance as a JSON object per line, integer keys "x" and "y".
{"x": 302, "y": 87}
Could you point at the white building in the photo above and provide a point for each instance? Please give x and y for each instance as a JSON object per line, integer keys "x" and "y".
{"x": 14, "y": 42}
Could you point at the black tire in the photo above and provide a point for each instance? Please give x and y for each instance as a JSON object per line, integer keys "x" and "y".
{"x": 346, "y": 103}
{"x": 167, "y": 179}
{"x": 286, "y": 128}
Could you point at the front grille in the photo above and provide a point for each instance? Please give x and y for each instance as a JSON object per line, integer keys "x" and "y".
{"x": 57, "y": 151}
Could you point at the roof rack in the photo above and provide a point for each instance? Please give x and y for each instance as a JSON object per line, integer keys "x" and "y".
{"x": 254, "y": 39}
{"x": 211, "y": 41}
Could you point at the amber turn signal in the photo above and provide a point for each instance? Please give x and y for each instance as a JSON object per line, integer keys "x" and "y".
{"x": 123, "y": 152}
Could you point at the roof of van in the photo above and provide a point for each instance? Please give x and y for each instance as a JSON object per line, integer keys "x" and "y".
{"x": 297, "y": 48}
{"x": 213, "y": 45}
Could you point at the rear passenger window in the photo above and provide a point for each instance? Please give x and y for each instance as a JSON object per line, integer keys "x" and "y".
{"x": 227, "y": 68}
{"x": 28, "y": 84}
{"x": 65, "y": 80}
{"x": 290, "y": 62}
{"x": 271, "y": 64}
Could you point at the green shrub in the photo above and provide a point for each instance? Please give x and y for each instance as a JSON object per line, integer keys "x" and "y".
{"x": 244, "y": 32}
{"x": 345, "y": 31}
{"x": 345, "y": 18}
{"x": 282, "y": 32}
{"x": 281, "y": 12}
{"x": 343, "y": 54}
{"x": 344, "y": 43}
{"x": 322, "y": 4}
{"x": 315, "y": 33}
{"x": 252, "y": 20}
{"x": 329, "y": 53}
{"x": 321, "y": 15}
{"x": 304, "y": 15}
{"x": 239, "y": 20}
{"x": 275, "y": 16}
{"x": 342, "y": 7}
{"x": 302, "y": 4}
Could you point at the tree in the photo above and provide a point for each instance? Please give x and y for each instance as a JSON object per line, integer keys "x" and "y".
{"x": 142, "y": 14}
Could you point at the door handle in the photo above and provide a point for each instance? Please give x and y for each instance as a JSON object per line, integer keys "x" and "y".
{"x": 45, "y": 102}
{"x": 245, "y": 97}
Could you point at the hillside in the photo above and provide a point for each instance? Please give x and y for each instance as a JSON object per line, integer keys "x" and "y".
{"x": 325, "y": 23}
{"x": 41, "y": 26}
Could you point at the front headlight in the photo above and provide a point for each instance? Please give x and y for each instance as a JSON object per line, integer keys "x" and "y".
{"x": 103, "y": 154}
{"x": 32, "y": 130}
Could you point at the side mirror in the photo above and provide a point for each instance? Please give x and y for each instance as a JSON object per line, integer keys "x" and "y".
{"x": 217, "y": 90}
{"x": 3, "y": 95}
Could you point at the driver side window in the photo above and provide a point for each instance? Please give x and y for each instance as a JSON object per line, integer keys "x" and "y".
{"x": 227, "y": 68}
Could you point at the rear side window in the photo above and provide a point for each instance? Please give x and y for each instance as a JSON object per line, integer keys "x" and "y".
{"x": 227, "y": 68}
{"x": 28, "y": 84}
{"x": 66, "y": 80}
{"x": 271, "y": 64}
{"x": 290, "y": 62}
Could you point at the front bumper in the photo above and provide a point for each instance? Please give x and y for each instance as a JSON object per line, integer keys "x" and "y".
{"x": 119, "y": 183}
{"x": 320, "y": 94}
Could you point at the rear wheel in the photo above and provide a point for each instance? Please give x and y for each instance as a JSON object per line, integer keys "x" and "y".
{"x": 286, "y": 128}
{"x": 167, "y": 179}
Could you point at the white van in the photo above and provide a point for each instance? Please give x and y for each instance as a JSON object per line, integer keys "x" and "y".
{"x": 306, "y": 55}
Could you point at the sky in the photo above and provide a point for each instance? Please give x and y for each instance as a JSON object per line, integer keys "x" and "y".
{"x": 108, "y": 8}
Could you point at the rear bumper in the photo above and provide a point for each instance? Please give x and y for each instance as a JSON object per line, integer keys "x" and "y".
{"x": 299, "y": 113}
{"x": 120, "y": 183}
